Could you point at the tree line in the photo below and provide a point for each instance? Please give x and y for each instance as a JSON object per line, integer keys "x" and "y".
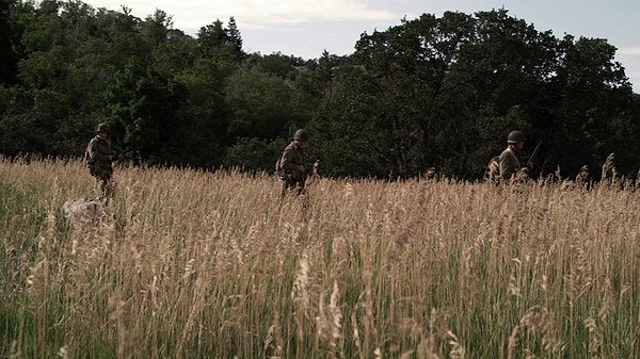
{"x": 430, "y": 92}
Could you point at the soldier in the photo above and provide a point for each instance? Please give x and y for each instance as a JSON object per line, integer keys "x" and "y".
{"x": 99, "y": 157}
{"x": 294, "y": 164}
{"x": 509, "y": 162}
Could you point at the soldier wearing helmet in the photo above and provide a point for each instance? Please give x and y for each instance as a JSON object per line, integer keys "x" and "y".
{"x": 99, "y": 158}
{"x": 509, "y": 161}
{"x": 294, "y": 164}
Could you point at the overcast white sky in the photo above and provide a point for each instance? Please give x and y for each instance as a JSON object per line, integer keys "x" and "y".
{"x": 306, "y": 28}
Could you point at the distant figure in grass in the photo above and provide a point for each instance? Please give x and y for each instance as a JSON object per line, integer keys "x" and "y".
{"x": 292, "y": 167}
{"x": 508, "y": 166}
{"x": 99, "y": 158}
{"x": 509, "y": 160}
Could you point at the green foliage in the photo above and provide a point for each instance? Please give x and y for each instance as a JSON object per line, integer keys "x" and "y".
{"x": 254, "y": 154}
{"x": 145, "y": 108}
{"x": 593, "y": 104}
{"x": 257, "y": 102}
{"x": 276, "y": 64}
{"x": 432, "y": 87}
{"x": 261, "y": 105}
{"x": 220, "y": 44}
{"x": 31, "y": 123}
{"x": 432, "y": 91}
{"x": 361, "y": 134}
{"x": 206, "y": 113}
{"x": 8, "y": 56}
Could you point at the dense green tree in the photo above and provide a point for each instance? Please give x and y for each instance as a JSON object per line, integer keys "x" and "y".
{"x": 277, "y": 64}
{"x": 155, "y": 28}
{"x": 206, "y": 112}
{"x": 8, "y": 55}
{"x": 592, "y": 110}
{"x": 234, "y": 38}
{"x": 405, "y": 88}
{"x": 431, "y": 91}
{"x": 145, "y": 108}
{"x": 261, "y": 105}
{"x": 501, "y": 74}
{"x": 20, "y": 15}
{"x": 442, "y": 91}
{"x": 351, "y": 136}
{"x": 254, "y": 154}
{"x": 215, "y": 42}
{"x": 30, "y": 125}
{"x": 169, "y": 50}
{"x": 269, "y": 98}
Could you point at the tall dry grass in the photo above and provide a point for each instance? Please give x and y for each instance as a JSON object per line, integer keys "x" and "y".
{"x": 186, "y": 264}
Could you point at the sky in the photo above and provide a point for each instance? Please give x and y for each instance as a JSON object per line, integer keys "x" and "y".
{"x": 306, "y": 28}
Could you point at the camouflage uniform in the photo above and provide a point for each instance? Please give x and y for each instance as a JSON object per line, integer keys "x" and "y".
{"x": 292, "y": 157}
{"x": 99, "y": 157}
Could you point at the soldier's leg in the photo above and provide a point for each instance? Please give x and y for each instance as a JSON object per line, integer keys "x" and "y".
{"x": 298, "y": 184}
{"x": 99, "y": 182}
{"x": 107, "y": 185}
{"x": 110, "y": 188}
{"x": 283, "y": 192}
{"x": 288, "y": 185}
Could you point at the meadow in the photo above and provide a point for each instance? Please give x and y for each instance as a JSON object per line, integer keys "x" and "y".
{"x": 193, "y": 264}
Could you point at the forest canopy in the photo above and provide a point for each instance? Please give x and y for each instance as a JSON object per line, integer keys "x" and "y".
{"x": 430, "y": 92}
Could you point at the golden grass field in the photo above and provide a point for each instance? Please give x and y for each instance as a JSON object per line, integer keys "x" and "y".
{"x": 188, "y": 264}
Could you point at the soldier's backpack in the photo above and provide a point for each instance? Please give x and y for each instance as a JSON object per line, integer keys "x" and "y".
{"x": 493, "y": 170}
{"x": 279, "y": 173}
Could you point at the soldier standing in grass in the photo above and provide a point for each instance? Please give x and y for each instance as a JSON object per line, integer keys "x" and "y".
{"x": 293, "y": 164}
{"x": 509, "y": 162}
{"x": 99, "y": 158}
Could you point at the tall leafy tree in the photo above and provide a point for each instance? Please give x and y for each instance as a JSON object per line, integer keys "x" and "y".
{"x": 221, "y": 44}
{"x": 592, "y": 111}
{"x": 441, "y": 91}
{"x": 234, "y": 39}
{"x": 432, "y": 91}
{"x": 8, "y": 55}
{"x": 261, "y": 105}
{"x": 502, "y": 73}
{"x": 206, "y": 112}
{"x": 169, "y": 50}
{"x": 145, "y": 111}
{"x": 405, "y": 78}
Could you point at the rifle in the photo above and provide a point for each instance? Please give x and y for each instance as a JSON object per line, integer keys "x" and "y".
{"x": 533, "y": 155}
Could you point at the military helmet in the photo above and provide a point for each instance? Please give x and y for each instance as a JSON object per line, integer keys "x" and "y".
{"x": 301, "y": 135}
{"x": 515, "y": 136}
{"x": 103, "y": 127}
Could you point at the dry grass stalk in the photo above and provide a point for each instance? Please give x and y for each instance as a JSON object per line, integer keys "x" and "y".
{"x": 204, "y": 260}
{"x": 120, "y": 317}
{"x": 513, "y": 342}
{"x": 521, "y": 176}
{"x": 356, "y": 335}
{"x": 609, "y": 168}
{"x": 457, "y": 350}
{"x": 300, "y": 296}
{"x": 337, "y": 340}
{"x": 426, "y": 349}
{"x": 273, "y": 343}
